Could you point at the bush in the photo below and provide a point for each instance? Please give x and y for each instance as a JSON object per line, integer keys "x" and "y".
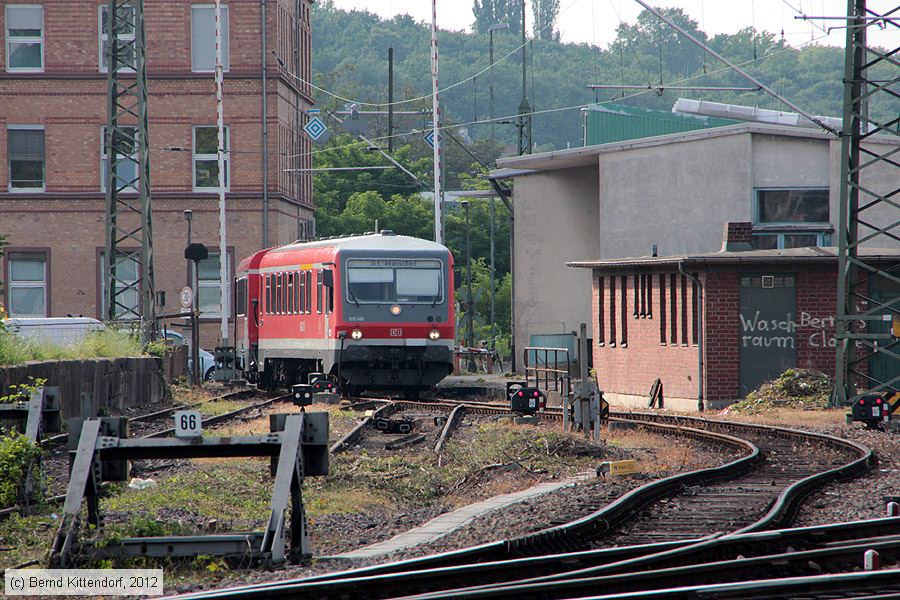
{"x": 18, "y": 457}
{"x": 795, "y": 388}
{"x": 100, "y": 344}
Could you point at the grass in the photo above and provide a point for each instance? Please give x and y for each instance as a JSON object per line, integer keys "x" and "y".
{"x": 25, "y": 538}
{"x": 663, "y": 453}
{"x": 100, "y": 344}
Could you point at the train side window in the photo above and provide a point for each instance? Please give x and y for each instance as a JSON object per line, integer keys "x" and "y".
{"x": 319, "y": 291}
{"x": 241, "y": 294}
{"x": 307, "y": 299}
{"x": 302, "y": 292}
{"x": 282, "y": 288}
{"x": 277, "y": 301}
{"x": 295, "y": 287}
{"x": 290, "y": 293}
{"x": 268, "y": 294}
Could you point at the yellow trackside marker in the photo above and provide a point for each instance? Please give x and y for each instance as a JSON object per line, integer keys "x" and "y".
{"x": 619, "y": 467}
{"x": 895, "y": 326}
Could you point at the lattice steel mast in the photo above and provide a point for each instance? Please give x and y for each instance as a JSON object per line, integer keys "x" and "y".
{"x": 868, "y": 215}
{"x": 128, "y": 206}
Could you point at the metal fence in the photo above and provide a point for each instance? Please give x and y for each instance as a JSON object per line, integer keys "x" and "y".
{"x": 548, "y": 369}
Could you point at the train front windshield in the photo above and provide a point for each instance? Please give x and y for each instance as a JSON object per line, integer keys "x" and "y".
{"x": 390, "y": 281}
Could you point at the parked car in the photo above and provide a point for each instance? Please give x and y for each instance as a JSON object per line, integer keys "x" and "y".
{"x": 207, "y": 360}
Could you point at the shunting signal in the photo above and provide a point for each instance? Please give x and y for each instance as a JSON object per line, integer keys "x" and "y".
{"x": 875, "y": 409}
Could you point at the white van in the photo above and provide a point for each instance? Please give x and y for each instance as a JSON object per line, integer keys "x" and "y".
{"x": 60, "y": 331}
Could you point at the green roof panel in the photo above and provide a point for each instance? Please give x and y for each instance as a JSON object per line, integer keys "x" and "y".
{"x": 605, "y": 123}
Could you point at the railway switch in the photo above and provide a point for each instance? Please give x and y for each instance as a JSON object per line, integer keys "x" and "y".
{"x": 875, "y": 409}
{"x": 527, "y": 400}
{"x": 303, "y": 394}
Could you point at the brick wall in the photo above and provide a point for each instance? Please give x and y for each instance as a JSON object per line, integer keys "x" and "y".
{"x": 633, "y": 349}
{"x": 69, "y": 100}
{"x": 721, "y": 310}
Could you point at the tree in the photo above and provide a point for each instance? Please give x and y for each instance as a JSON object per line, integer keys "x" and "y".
{"x": 545, "y": 14}
{"x": 491, "y": 12}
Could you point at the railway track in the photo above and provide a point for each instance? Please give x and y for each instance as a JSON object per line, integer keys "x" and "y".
{"x": 758, "y": 491}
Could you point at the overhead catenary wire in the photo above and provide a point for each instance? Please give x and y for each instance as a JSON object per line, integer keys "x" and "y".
{"x": 571, "y": 107}
{"x": 744, "y": 73}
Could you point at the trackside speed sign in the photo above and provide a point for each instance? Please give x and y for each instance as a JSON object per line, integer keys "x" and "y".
{"x": 188, "y": 424}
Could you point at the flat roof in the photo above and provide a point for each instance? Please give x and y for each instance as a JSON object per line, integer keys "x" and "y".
{"x": 792, "y": 255}
{"x": 513, "y": 166}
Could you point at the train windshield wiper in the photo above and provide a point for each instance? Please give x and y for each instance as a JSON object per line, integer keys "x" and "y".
{"x": 436, "y": 298}
{"x": 352, "y": 295}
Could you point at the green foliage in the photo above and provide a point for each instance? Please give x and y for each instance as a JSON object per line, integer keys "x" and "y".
{"x": 490, "y": 12}
{"x": 350, "y": 59}
{"x": 106, "y": 343}
{"x": 795, "y": 388}
{"x": 18, "y": 457}
{"x": 545, "y": 13}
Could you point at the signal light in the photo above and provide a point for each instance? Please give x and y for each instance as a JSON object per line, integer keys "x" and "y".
{"x": 521, "y": 394}
{"x": 356, "y": 334}
{"x": 878, "y": 401}
{"x": 862, "y": 401}
{"x": 536, "y": 394}
{"x": 434, "y": 334}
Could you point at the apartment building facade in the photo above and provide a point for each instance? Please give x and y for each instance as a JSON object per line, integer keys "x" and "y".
{"x": 53, "y": 99}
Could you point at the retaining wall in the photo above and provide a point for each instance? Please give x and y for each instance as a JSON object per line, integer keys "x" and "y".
{"x": 92, "y": 387}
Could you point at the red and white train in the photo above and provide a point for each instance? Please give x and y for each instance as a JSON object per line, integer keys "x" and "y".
{"x": 373, "y": 311}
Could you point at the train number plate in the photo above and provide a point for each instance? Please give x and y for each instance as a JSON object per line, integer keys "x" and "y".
{"x": 396, "y": 333}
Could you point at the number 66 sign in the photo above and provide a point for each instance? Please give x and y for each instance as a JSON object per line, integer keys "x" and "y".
{"x": 188, "y": 424}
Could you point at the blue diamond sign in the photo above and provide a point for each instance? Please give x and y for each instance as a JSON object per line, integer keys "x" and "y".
{"x": 315, "y": 129}
{"x": 429, "y": 138}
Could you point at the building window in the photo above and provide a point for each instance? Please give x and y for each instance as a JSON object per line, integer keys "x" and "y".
{"x": 27, "y": 284}
{"x": 635, "y": 281}
{"x": 684, "y": 311}
{"x": 206, "y": 161}
{"x": 25, "y": 149}
{"x": 128, "y": 297}
{"x": 126, "y": 164}
{"x": 601, "y": 313}
{"x": 203, "y": 38}
{"x": 612, "y": 311}
{"x": 673, "y": 309}
{"x": 25, "y": 38}
{"x": 662, "y": 309}
{"x": 125, "y": 34}
{"x": 624, "y": 299}
{"x": 791, "y": 218}
{"x": 209, "y": 293}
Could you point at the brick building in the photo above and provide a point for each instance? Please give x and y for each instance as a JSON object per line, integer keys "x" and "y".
{"x": 53, "y": 86}
{"x": 761, "y": 312}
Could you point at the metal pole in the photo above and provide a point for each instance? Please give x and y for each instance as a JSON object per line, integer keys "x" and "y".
{"x": 220, "y": 121}
{"x": 524, "y": 107}
{"x": 493, "y": 325}
{"x": 470, "y": 301}
{"x": 436, "y": 115}
{"x": 265, "y": 132}
{"x": 390, "y": 99}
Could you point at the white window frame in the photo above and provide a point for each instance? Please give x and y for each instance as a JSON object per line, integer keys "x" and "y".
{"x": 125, "y": 38}
{"x": 214, "y": 284}
{"x": 226, "y": 56}
{"x": 9, "y": 185}
{"x": 24, "y": 40}
{"x": 823, "y": 237}
{"x": 12, "y": 284}
{"x": 104, "y": 157}
{"x": 196, "y": 157}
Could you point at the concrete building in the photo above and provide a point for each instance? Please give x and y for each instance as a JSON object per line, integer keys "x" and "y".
{"x": 673, "y": 192}
{"x": 53, "y": 87}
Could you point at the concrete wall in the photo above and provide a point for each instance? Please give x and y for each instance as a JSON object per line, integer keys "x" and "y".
{"x": 110, "y": 385}
{"x": 674, "y": 195}
{"x": 556, "y": 218}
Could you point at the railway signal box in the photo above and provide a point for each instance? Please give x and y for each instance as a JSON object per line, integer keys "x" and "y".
{"x": 527, "y": 400}
{"x": 876, "y": 409}
{"x": 303, "y": 394}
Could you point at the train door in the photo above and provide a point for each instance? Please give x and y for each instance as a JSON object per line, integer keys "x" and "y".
{"x": 241, "y": 318}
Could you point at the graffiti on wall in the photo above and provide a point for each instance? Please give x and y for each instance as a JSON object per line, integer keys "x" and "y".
{"x": 781, "y": 333}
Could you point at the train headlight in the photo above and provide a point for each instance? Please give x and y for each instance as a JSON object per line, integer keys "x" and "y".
{"x": 434, "y": 334}
{"x": 395, "y": 310}
{"x": 356, "y": 334}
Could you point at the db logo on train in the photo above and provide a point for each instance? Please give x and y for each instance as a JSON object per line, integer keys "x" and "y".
{"x": 396, "y": 333}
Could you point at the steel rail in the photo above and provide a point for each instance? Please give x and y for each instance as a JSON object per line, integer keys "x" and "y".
{"x": 772, "y": 566}
{"x": 785, "y": 506}
{"x": 607, "y": 561}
